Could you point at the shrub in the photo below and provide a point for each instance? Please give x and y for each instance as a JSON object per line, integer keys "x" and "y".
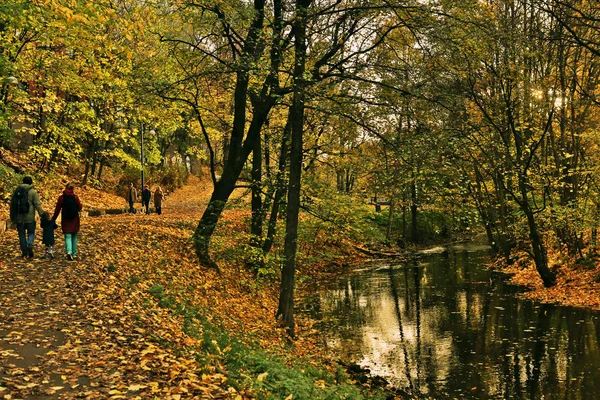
{"x": 8, "y": 181}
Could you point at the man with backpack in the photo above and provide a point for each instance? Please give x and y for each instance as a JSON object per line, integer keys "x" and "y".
{"x": 23, "y": 206}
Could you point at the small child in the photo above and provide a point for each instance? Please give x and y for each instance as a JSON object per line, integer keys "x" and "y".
{"x": 48, "y": 225}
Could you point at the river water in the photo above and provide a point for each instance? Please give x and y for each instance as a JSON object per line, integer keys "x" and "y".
{"x": 445, "y": 327}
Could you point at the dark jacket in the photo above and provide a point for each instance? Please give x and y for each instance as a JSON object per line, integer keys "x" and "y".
{"x": 48, "y": 235}
{"x": 146, "y": 196}
{"x": 68, "y": 225}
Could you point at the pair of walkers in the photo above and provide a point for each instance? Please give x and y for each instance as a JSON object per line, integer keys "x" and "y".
{"x": 131, "y": 198}
{"x": 26, "y": 202}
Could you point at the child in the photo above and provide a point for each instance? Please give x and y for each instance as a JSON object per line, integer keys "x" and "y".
{"x": 48, "y": 225}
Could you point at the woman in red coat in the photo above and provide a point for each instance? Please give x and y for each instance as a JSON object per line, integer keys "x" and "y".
{"x": 70, "y": 205}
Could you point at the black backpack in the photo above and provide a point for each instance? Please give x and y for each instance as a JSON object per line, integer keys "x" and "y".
{"x": 70, "y": 209}
{"x": 20, "y": 202}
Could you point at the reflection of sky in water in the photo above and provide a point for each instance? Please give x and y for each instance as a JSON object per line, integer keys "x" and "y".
{"x": 448, "y": 328}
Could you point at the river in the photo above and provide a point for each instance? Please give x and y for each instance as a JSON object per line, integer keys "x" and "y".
{"x": 445, "y": 327}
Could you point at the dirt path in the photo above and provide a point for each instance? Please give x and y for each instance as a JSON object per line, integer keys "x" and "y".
{"x": 87, "y": 328}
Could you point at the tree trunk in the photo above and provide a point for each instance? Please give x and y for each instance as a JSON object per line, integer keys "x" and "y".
{"x": 414, "y": 212}
{"x": 208, "y": 222}
{"x": 225, "y": 186}
{"x": 390, "y": 221}
{"x": 540, "y": 256}
{"x": 480, "y": 194}
{"x": 339, "y": 175}
{"x": 404, "y": 215}
{"x": 279, "y": 191}
{"x": 285, "y": 311}
{"x": 102, "y": 162}
{"x": 256, "y": 228}
{"x": 94, "y": 157}
{"x": 256, "y": 224}
{"x": 238, "y": 149}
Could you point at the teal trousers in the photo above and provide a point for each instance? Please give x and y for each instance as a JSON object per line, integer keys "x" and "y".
{"x": 71, "y": 243}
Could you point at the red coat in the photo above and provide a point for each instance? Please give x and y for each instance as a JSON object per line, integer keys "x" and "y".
{"x": 67, "y": 225}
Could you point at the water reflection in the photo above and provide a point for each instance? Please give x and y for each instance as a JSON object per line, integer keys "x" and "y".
{"x": 445, "y": 327}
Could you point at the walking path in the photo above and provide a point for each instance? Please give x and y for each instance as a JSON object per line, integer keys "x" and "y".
{"x": 88, "y": 328}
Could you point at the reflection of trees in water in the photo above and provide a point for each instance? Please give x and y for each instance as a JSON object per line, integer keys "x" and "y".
{"x": 417, "y": 277}
{"x": 456, "y": 330}
{"x": 396, "y": 297}
{"x": 345, "y": 311}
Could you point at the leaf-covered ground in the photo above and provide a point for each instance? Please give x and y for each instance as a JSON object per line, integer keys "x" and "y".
{"x": 94, "y": 327}
{"x": 576, "y": 285}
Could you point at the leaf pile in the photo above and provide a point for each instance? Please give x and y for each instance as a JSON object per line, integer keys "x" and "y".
{"x": 575, "y": 286}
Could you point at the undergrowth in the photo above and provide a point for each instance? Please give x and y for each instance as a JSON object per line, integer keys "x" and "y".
{"x": 251, "y": 368}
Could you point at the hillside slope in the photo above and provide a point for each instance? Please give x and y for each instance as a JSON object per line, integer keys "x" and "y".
{"x": 99, "y": 326}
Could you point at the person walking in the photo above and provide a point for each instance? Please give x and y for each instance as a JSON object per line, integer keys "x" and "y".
{"x": 48, "y": 227}
{"x": 158, "y": 199}
{"x": 70, "y": 205}
{"x": 131, "y": 197}
{"x": 23, "y": 206}
{"x": 146, "y": 196}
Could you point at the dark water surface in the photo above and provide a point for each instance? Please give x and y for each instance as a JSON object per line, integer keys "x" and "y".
{"x": 444, "y": 327}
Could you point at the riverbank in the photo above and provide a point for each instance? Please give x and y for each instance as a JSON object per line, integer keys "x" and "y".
{"x": 577, "y": 284}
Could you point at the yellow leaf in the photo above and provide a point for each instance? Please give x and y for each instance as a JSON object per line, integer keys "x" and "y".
{"x": 262, "y": 376}
{"x": 135, "y": 387}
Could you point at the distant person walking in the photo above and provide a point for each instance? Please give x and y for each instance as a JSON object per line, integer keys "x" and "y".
{"x": 70, "y": 205}
{"x": 158, "y": 199}
{"x": 23, "y": 205}
{"x": 131, "y": 197}
{"x": 146, "y": 196}
{"x": 48, "y": 227}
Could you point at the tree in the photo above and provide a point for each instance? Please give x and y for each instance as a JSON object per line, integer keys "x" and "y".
{"x": 286, "y": 295}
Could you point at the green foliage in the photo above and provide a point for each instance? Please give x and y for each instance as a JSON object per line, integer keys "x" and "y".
{"x": 129, "y": 175}
{"x": 6, "y": 134}
{"x": 269, "y": 376}
{"x": 338, "y": 216}
{"x": 157, "y": 291}
{"x": 432, "y": 224}
{"x": 164, "y": 300}
{"x": 173, "y": 177}
{"x": 267, "y": 266}
{"x": 9, "y": 180}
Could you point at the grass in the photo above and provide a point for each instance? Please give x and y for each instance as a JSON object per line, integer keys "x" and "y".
{"x": 250, "y": 368}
